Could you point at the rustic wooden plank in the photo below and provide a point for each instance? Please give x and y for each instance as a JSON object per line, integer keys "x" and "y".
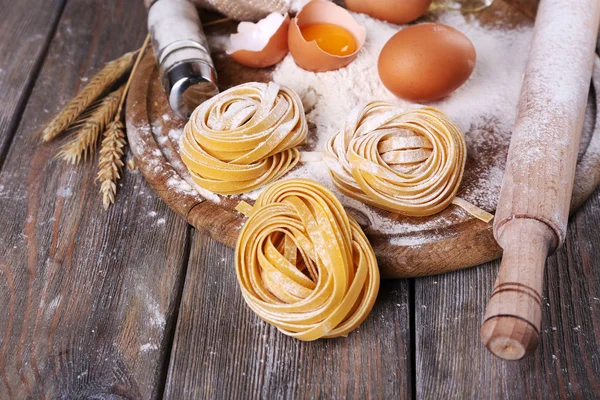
{"x": 451, "y": 361}
{"x": 223, "y": 350}
{"x": 89, "y": 297}
{"x": 26, "y": 30}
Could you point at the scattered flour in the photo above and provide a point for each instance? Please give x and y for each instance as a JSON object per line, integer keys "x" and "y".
{"x": 52, "y": 306}
{"x": 162, "y": 139}
{"x": 157, "y": 129}
{"x": 296, "y": 5}
{"x": 148, "y": 347}
{"x": 218, "y": 42}
{"x": 175, "y": 134}
{"x": 64, "y": 192}
{"x": 184, "y": 186}
{"x": 157, "y": 318}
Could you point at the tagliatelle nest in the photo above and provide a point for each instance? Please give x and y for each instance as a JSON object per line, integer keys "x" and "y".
{"x": 244, "y": 138}
{"x": 409, "y": 162}
{"x": 303, "y": 264}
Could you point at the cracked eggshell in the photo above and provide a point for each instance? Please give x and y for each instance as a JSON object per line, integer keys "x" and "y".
{"x": 308, "y": 55}
{"x": 261, "y": 44}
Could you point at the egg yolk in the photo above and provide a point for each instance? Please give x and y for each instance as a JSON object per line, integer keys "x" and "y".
{"x": 330, "y": 38}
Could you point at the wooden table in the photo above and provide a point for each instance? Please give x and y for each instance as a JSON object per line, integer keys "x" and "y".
{"x": 134, "y": 303}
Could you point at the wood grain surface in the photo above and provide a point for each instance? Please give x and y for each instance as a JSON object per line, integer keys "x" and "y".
{"x": 223, "y": 350}
{"x": 36, "y": 25}
{"x": 451, "y": 361}
{"x": 91, "y": 299}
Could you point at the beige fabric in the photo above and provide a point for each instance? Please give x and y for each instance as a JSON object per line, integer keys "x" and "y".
{"x": 242, "y": 10}
{"x": 246, "y": 10}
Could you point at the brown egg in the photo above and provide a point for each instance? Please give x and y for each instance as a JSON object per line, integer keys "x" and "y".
{"x": 426, "y": 62}
{"x": 394, "y": 11}
{"x": 307, "y": 54}
{"x": 262, "y": 44}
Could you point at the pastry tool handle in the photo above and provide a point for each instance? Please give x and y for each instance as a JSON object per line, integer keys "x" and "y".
{"x": 186, "y": 69}
{"x": 533, "y": 208}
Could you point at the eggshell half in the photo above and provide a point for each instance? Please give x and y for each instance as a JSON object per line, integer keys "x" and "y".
{"x": 308, "y": 55}
{"x": 273, "y": 52}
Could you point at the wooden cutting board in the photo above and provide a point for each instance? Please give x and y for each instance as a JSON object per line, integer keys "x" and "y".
{"x": 445, "y": 242}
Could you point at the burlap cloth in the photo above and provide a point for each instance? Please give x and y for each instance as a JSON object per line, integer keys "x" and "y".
{"x": 242, "y": 10}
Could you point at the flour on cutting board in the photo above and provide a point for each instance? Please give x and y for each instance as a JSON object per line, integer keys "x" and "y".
{"x": 154, "y": 159}
{"x": 484, "y": 108}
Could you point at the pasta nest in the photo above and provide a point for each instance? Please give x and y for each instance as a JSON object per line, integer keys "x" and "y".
{"x": 244, "y": 137}
{"x": 303, "y": 264}
{"x": 410, "y": 162}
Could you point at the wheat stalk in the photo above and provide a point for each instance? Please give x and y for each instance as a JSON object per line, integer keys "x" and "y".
{"x": 110, "y": 163}
{"x": 102, "y": 81}
{"x": 216, "y": 22}
{"x": 131, "y": 165}
{"x": 90, "y": 127}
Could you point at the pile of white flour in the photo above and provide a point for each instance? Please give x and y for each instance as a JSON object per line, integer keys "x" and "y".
{"x": 492, "y": 90}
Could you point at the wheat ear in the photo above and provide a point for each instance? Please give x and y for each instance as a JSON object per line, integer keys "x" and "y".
{"x": 110, "y": 163}
{"x": 89, "y": 129}
{"x": 102, "y": 81}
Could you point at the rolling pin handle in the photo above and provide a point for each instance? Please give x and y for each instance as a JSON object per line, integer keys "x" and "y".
{"x": 509, "y": 337}
{"x": 533, "y": 207}
{"x": 514, "y": 313}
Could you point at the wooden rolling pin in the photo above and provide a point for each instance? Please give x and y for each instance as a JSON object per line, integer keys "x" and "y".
{"x": 533, "y": 208}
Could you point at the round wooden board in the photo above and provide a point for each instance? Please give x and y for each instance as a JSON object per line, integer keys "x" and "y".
{"x": 448, "y": 241}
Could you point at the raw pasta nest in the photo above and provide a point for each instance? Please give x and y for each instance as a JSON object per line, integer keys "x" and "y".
{"x": 410, "y": 162}
{"x": 244, "y": 137}
{"x": 303, "y": 264}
